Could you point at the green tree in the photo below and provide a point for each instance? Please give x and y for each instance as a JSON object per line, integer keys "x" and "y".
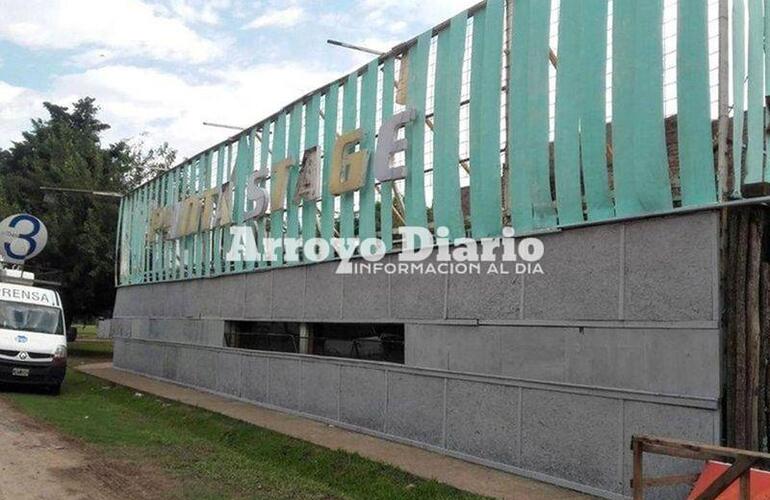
{"x": 65, "y": 150}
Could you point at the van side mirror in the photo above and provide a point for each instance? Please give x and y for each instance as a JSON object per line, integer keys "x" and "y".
{"x": 72, "y": 334}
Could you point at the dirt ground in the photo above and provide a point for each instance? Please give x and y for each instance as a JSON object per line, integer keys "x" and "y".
{"x": 38, "y": 463}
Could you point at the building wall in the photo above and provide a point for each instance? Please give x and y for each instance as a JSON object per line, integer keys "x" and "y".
{"x": 547, "y": 375}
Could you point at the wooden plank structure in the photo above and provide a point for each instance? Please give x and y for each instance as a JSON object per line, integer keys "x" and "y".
{"x": 746, "y": 321}
{"x": 742, "y": 461}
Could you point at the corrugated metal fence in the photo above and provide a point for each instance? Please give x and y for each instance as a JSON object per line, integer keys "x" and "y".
{"x": 535, "y": 114}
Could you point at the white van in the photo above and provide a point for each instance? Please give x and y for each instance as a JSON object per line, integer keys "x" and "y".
{"x": 33, "y": 344}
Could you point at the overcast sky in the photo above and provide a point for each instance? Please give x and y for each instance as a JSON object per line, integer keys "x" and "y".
{"x": 158, "y": 68}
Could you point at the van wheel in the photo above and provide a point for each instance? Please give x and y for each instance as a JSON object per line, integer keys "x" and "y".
{"x": 54, "y": 390}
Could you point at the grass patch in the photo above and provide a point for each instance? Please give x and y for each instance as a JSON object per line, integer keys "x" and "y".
{"x": 91, "y": 351}
{"x": 213, "y": 456}
{"x": 86, "y": 331}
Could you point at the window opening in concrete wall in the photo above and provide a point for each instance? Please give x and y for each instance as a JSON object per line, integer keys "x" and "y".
{"x": 369, "y": 341}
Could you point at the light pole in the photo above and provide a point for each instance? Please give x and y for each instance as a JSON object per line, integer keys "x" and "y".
{"x": 221, "y": 125}
{"x": 355, "y": 47}
{"x": 103, "y": 194}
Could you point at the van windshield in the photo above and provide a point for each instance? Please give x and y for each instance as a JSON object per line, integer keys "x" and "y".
{"x": 31, "y": 318}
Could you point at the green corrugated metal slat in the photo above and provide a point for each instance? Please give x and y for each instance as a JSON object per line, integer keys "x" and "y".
{"x": 295, "y": 136}
{"x": 264, "y": 164}
{"x": 415, "y": 158}
{"x": 312, "y": 123}
{"x": 386, "y": 188}
{"x": 531, "y": 204}
{"x": 330, "y": 136}
{"x": 276, "y": 217}
{"x": 696, "y": 155}
{"x": 447, "y": 210}
{"x": 640, "y": 164}
{"x": 739, "y": 75}
{"x": 755, "y": 161}
{"x": 243, "y": 166}
{"x": 366, "y": 211}
{"x": 349, "y": 117}
{"x": 217, "y": 244}
{"x": 486, "y": 71}
{"x": 580, "y": 125}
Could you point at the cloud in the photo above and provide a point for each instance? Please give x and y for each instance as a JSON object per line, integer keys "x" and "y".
{"x": 128, "y": 27}
{"x": 165, "y": 107}
{"x": 17, "y": 107}
{"x": 200, "y": 11}
{"x": 289, "y": 16}
{"x": 162, "y": 102}
{"x": 391, "y": 14}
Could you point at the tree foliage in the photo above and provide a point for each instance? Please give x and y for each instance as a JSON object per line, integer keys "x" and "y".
{"x": 65, "y": 150}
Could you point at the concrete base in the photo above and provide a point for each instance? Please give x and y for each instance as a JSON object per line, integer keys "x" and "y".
{"x": 421, "y": 463}
{"x": 568, "y": 435}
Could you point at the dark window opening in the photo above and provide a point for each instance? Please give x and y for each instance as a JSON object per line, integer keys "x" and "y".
{"x": 370, "y": 341}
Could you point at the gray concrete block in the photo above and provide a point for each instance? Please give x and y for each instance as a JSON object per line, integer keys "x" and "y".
{"x": 284, "y": 383}
{"x": 365, "y": 296}
{"x": 417, "y": 296}
{"x": 482, "y": 420}
{"x": 474, "y": 349}
{"x": 254, "y": 378}
{"x": 319, "y": 389}
{"x": 171, "y": 330}
{"x": 363, "y": 396}
{"x": 669, "y": 268}
{"x": 103, "y": 329}
{"x": 323, "y": 295}
{"x": 229, "y": 373}
{"x": 581, "y": 276}
{"x": 156, "y": 327}
{"x": 212, "y": 332}
{"x": 668, "y": 361}
{"x": 122, "y": 356}
{"x": 259, "y": 295}
{"x": 186, "y": 366}
{"x": 140, "y": 328}
{"x": 197, "y": 367}
{"x": 120, "y": 328}
{"x": 174, "y": 302}
{"x": 151, "y": 358}
{"x": 426, "y": 346}
{"x": 193, "y": 291}
{"x": 155, "y": 295}
{"x": 573, "y": 437}
{"x": 484, "y": 296}
{"x": 231, "y": 291}
{"x": 683, "y": 362}
{"x": 607, "y": 358}
{"x": 123, "y": 302}
{"x": 120, "y": 350}
{"x": 177, "y": 330}
{"x": 289, "y": 293}
{"x": 171, "y": 362}
{"x": 453, "y": 347}
{"x": 690, "y": 424}
{"x": 416, "y": 407}
{"x": 535, "y": 353}
{"x": 205, "y": 298}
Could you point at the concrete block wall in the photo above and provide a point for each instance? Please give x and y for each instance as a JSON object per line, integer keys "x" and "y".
{"x": 571, "y": 435}
{"x": 631, "y": 308}
{"x": 658, "y": 272}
